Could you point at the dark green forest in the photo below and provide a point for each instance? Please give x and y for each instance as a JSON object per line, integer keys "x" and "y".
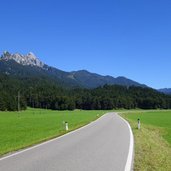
{"x": 18, "y": 93}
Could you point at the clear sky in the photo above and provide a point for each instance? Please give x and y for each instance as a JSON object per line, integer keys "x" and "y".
{"x": 130, "y": 38}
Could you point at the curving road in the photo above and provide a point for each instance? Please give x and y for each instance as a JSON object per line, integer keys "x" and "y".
{"x": 103, "y": 145}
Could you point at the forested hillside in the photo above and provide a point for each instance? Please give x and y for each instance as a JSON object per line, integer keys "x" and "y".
{"x": 18, "y": 93}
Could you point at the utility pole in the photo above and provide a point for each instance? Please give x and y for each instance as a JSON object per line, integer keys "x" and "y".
{"x": 18, "y": 99}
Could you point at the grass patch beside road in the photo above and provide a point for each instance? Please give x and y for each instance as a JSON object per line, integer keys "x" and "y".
{"x": 22, "y": 129}
{"x": 152, "y": 141}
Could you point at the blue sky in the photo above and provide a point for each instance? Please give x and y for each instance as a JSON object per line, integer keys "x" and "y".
{"x": 130, "y": 38}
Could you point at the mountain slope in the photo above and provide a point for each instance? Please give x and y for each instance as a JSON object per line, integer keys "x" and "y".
{"x": 23, "y": 66}
{"x": 165, "y": 91}
{"x": 92, "y": 80}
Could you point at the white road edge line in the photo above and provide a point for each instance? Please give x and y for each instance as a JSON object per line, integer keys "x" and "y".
{"x": 54, "y": 139}
{"x": 129, "y": 163}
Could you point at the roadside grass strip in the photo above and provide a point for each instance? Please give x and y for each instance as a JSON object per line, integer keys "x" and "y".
{"x": 152, "y": 141}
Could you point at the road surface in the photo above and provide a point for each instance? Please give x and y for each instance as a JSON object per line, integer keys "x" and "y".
{"x": 103, "y": 145}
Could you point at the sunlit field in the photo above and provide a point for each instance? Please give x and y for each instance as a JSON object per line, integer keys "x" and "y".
{"x": 22, "y": 129}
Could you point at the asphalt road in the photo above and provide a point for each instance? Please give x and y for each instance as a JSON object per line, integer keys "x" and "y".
{"x": 102, "y": 145}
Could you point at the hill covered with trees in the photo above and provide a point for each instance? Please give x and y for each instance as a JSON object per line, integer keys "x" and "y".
{"x": 26, "y": 81}
{"x": 18, "y": 93}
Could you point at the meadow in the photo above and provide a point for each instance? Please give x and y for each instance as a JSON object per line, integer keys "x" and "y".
{"x": 153, "y": 140}
{"x": 22, "y": 129}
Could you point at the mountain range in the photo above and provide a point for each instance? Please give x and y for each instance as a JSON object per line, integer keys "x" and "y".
{"x": 165, "y": 91}
{"x": 24, "y": 66}
{"x": 27, "y": 81}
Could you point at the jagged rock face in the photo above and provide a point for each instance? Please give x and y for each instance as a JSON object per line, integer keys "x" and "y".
{"x": 29, "y": 59}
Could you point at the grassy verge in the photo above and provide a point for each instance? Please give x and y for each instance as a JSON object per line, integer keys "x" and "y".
{"x": 23, "y": 129}
{"x": 152, "y": 141}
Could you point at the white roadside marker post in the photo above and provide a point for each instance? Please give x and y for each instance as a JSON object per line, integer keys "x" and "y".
{"x": 66, "y": 126}
{"x": 139, "y": 124}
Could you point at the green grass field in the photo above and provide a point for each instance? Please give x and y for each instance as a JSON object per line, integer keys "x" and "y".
{"x": 153, "y": 140}
{"x": 161, "y": 119}
{"x": 23, "y": 129}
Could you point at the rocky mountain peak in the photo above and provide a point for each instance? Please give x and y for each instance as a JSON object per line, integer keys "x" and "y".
{"x": 29, "y": 59}
{"x": 32, "y": 55}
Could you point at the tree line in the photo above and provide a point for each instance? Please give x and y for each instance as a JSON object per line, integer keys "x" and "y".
{"x": 17, "y": 94}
